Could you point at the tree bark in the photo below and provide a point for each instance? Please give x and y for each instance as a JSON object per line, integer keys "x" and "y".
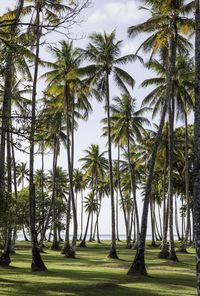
{"x": 197, "y": 145}
{"x": 37, "y": 263}
{"x": 113, "y": 252}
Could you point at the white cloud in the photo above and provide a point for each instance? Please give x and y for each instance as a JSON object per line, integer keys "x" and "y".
{"x": 118, "y": 13}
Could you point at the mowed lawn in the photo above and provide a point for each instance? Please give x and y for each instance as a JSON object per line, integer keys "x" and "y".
{"x": 92, "y": 273}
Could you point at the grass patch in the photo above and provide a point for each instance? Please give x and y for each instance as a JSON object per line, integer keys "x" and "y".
{"x": 92, "y": 273}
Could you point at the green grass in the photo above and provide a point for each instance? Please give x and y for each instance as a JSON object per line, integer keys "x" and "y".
{"x": 93, "y": 274}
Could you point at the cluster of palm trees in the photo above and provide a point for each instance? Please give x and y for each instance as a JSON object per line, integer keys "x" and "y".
{"x": 159, "y": 162}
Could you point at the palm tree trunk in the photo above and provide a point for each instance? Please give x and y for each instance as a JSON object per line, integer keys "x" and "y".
{"x": 16, "y": 197}
{"x": 138, "y": 265}
{"x": 119, "y": 185}
{"x": 176, "y": 220}
{"x": 82, "y": 244}
{"x": 172, "y": 253}
{"x": 5, "y": 258}
{"x": 133, "y": 187}
{"x": 113, "y": 252}
{"x": 37, "y": 263}
{"x": 117, "y": 214}
{"x": 80, "y": 238}
{"x": 183, "y": 246}
{"x": 197, "y": 145}
{"x": 55, "y": 244}
{"x": 72, "y": 251}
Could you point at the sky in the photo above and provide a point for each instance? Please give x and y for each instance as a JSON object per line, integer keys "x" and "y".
{"x": 103, "y": 15}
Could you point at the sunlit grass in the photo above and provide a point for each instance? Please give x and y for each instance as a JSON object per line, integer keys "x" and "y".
{"x": 92, "y": 273}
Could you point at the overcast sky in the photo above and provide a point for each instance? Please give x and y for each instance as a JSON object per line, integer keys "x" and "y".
{"x": 103, "y": 15}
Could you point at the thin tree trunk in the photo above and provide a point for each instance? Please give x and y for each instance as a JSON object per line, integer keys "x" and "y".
{"x": 113, "y": 252}
{"x": 72, "y": 250}
{"x": 197, "y": 145}
{"x": 37, "y": 263}
{"x": 172, "y": 253}
{"x": 82, "y": 244}
{"x": 80, "y": 238}
{"x": 55, "y": 245}
{"x": 176, "y": 220}
{"x": 183, "y": 246}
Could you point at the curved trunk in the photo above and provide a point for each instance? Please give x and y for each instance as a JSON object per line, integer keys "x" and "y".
{"x": 133, "y": 187}
{"x": 80, "y": 238}
{"x": 197, "y": 145}
{"x": 185, "y": 240}
{"x": 176, "y": 221}
{"x": 172, "y": 253}
{"x": 138, "y": 265}
{"x": 72, "y": 251}
{"x": 37, "y": 263}
{"x": 82, "y": 244}
{"x": 55, "y": 244}
{"x": 113, "y": 252}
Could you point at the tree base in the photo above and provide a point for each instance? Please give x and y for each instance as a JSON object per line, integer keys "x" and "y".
{"x": 113, "y": 253}
{"x": 164, "y": 254}
{"x": 65, "y": 249}
{"x": 129, "y": 245}
{"x": 70, "y": 254}
{"x": 182, "y": 249}
{"x": 37, "y": 263}
{"x": 55, "y": 247}
{"x": 82, "y": 244}
{"x": 5, "y": 260}
{"x": 135, "y": 246}
{"x": 138, "y": 265}
{"x": 173, "y": 257}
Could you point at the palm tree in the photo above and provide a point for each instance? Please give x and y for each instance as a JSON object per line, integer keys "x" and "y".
{"x": 22, "y": 173}
{"x": 166, "y": 17}
{"x": 65, "y": 75}
{"x": 104, "y": 52}
{"x": 128, "y": 125}
{"x": 95, "y": 166}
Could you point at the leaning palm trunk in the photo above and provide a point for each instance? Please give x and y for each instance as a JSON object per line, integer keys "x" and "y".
{"x": 55, "y": 244}
{"x": 138, "y": 265}
{"x": 172, "y": 254}
{"x": 80, "y": 238}
{"x": 37, "y": 263}
{"x": 197, "y": 145}
{"x": 176, "y": 221}
{"x": 133, "y": 187}
{"x": 82, "y": 244}
{"x": 5, "y": 257}
{"x": 183, "y": 246}
{"x": 16, "y": 197}
{"x": 113, "y": 252}
{"x": 164, "y": 253}
{"x": 72, "y": 250}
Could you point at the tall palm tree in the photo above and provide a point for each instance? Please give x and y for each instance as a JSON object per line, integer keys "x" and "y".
{"x": 66, "y": 76}
{"x": 128, "y": 125}
{"x": 167, "y": 18}
{"x": 104, "y": 53}
{"x": 95, "y": 166}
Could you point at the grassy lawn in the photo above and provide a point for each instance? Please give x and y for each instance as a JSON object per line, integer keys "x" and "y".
{"x": 92, "y": 273}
